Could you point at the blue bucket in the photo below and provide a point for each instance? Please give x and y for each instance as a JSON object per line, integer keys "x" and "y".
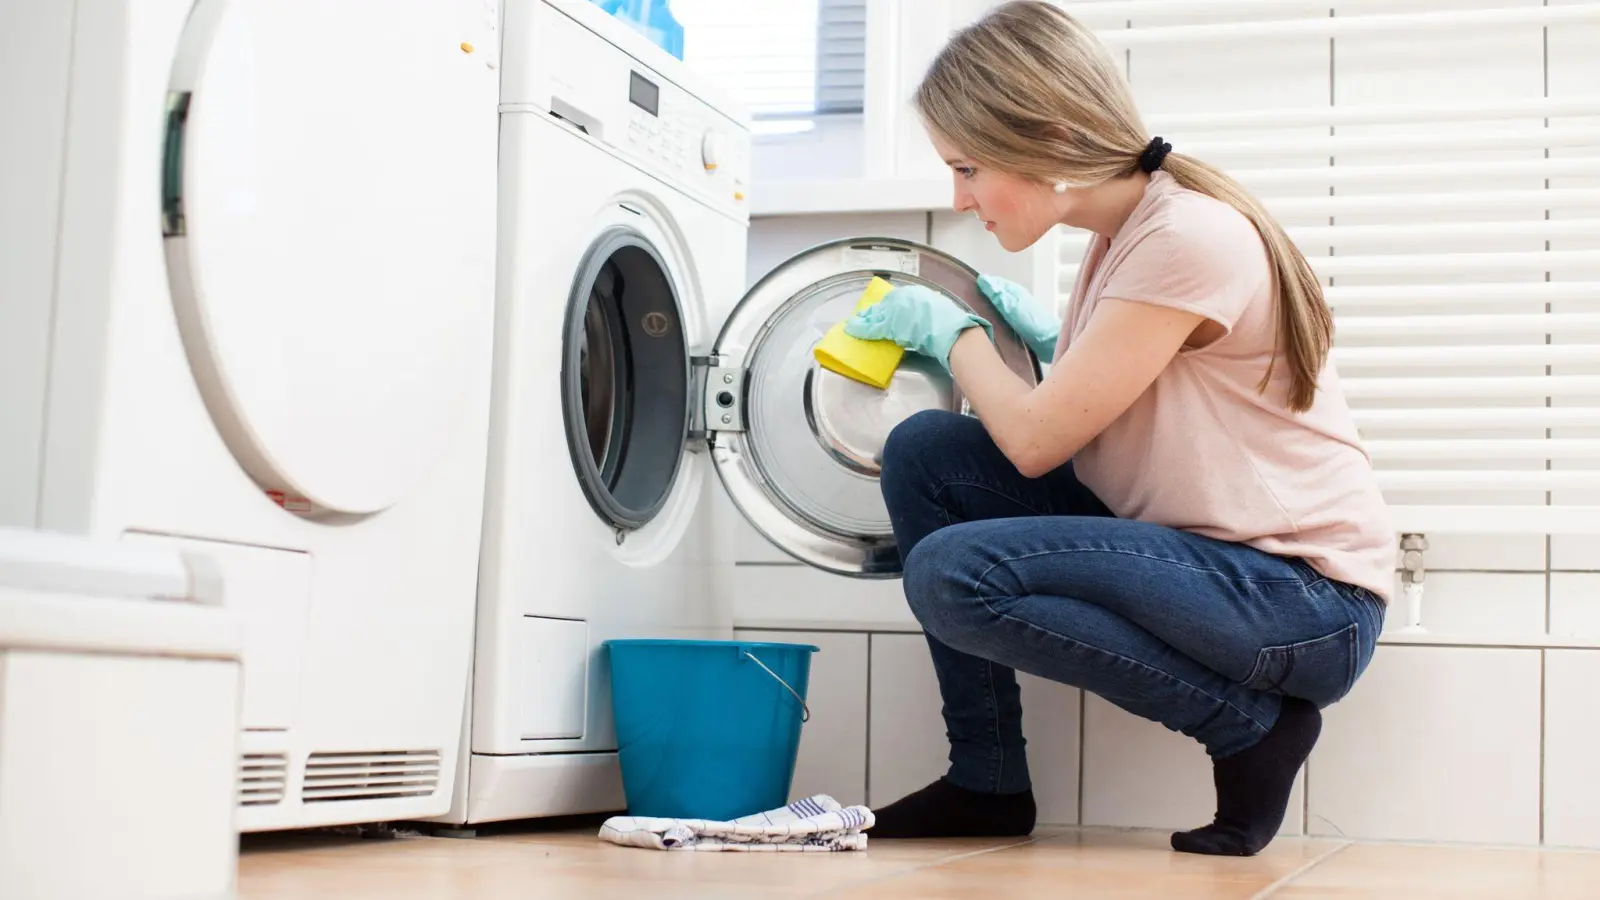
{"x": 707, "y": 729}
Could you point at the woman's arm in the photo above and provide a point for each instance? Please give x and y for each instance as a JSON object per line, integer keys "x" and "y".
{"x": 1121, "y": 351}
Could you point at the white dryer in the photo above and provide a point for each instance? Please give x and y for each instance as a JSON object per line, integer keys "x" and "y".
{"x": 634, "y": 381}
{"x": 246, "y": 256}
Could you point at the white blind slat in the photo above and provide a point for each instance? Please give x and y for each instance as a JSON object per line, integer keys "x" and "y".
{"x": 1465, "y": 295}
{"x": 785, "y": 59}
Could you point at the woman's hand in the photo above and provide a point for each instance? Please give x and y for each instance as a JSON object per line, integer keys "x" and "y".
{"x": 917, "y": 318}
{"x": 1030, "y": 319}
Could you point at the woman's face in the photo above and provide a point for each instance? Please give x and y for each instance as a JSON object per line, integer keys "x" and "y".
{"x": 1017, "y": 210}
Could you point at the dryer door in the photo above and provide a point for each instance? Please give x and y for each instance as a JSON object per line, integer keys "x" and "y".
{"x": 798, "y": 446}
{"x": 328, "y": 200}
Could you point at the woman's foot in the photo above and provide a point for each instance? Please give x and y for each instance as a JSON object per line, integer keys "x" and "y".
{"x": 1253, "y": 786}
{"x": 943, "y": 810}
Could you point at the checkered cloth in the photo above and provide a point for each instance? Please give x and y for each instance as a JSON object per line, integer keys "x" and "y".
{"x": 813, "y": 825}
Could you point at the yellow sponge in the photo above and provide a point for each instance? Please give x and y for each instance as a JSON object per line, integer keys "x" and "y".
{"x": 869, "y": 362}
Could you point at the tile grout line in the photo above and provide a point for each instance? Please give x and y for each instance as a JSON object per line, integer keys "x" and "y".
{"x": 1083, "y": 748}
{"x": 866, "y": 779}
{"x": 1294, "y": 876}
{"x": 922, "y": 867}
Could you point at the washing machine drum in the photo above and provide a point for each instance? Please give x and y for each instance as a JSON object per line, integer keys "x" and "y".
{"x": 625, "y": 379}
{"x": 798, "y": 447}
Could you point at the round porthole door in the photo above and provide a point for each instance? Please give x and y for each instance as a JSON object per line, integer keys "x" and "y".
{"x": 625, "y": 378}
{"x": 328, "y": 215}
{"x": 798, "y": 447}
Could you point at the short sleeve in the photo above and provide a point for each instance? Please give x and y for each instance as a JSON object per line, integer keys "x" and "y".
{"x": 1201, "y": 256}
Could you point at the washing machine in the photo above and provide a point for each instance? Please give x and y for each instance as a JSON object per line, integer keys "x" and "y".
{"x": 638, "y": 388}
{"x": 247, "y": 261}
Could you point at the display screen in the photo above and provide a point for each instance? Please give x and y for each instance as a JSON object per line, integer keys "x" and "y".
{"x": 644, "y": 94}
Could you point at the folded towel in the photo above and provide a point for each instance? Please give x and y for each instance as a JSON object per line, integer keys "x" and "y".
{"x": 813, "y": 825}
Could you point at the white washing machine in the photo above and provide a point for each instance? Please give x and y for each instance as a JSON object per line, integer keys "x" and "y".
{"x": 634, "y": 383}
{"x": 247, "y": 261}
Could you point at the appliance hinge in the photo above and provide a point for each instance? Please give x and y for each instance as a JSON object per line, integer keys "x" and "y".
{"x": 716, "y": 399}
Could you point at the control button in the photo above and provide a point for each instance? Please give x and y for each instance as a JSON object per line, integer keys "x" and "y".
{"x": 711, "y": 150}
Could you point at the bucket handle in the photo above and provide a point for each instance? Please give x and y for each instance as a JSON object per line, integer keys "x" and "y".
{"x": 805, "y": 714}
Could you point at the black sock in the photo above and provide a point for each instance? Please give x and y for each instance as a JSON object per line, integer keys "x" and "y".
{"x": 1253, "y": 786}
{"x": 944, "y": 810}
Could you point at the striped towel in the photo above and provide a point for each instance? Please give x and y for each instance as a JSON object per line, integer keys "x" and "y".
{"x": 813, "y": 825}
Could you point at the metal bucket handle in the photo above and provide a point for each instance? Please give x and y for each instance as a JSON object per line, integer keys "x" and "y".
{"x": 805, "y": 715}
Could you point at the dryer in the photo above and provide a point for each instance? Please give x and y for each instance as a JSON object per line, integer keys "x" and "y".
{"x": 246, "y": 256}
{"x": 638, "y": 386}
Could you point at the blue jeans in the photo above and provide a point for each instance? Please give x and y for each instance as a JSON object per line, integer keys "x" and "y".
{"x": 1007, "y": 574}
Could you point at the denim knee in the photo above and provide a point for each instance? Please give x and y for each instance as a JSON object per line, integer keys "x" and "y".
{"x": 906, "y": 447}
{"x": 941, "y": 588}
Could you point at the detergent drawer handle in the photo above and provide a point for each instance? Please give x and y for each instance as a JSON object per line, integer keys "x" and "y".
{"x": 805, "y": 715}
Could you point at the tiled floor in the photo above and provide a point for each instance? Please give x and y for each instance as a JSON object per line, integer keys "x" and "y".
{"x": 1087, "y": 863}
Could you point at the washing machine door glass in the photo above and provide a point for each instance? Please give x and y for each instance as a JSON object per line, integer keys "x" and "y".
{"x": 328, "y": 207}
{"x": 799, "y": 447}
{"x": 625, "y": 378}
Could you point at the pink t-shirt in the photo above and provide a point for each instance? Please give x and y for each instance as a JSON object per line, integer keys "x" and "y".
{"x": 1203, "y": 450}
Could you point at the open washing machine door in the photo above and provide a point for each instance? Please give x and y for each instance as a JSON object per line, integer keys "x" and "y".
{"x": 319, "y": 218}
{"x": 798, "y": 447}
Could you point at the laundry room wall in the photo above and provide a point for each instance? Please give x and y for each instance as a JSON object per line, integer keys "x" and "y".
{"x": 1483, "y": 726}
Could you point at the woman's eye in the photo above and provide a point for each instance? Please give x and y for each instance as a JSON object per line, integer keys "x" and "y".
{"x": 966, "y": 171}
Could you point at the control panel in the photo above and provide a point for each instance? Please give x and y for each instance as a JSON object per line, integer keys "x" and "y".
{"x": 601, "y": 90}
{"x": 673, "y": 131}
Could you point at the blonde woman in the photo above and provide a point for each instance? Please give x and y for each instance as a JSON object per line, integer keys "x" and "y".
{"x": 1180, "y": 518}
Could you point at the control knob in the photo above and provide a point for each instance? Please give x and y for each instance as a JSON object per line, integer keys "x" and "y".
{"x": 711, "y": 151}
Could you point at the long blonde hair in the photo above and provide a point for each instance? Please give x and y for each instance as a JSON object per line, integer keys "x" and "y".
{"x": 1030, "y": 91}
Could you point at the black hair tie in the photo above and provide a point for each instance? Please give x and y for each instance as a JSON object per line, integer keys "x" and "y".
{"x": 1154, "y": 155}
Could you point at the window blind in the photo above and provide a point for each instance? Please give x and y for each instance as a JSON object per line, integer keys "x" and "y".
{"x": 784, "y": 59}
{"x": 841, "y": 55}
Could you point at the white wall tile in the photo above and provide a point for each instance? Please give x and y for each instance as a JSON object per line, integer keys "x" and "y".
{"x": 1572, "y": 744}
{"x": 1139, "y": 774}
{"x": 1575, "y": 604}
{"x": 906, "y": 730}
{"x": 1575, "y": 551}
{"x": 1435, "y": 744}
{"x": 1051, "y": 714}
{"x": 833, "y": 745}
{"x": 909, "y": 748}
{"x": 1477, "y": 604}
{"x": 1497, "y": 552}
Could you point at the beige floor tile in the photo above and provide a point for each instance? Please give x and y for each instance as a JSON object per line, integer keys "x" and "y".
{"x": 1089, "y": 863}
{"x": 559, "y": 865}
{"x": 1101, "y": 864}
{"x": 1402, "y": 871}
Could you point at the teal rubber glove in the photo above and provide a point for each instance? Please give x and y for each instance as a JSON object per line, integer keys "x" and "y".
{"x": 1029, "y": 318}
{"x": 917, "y": 318}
